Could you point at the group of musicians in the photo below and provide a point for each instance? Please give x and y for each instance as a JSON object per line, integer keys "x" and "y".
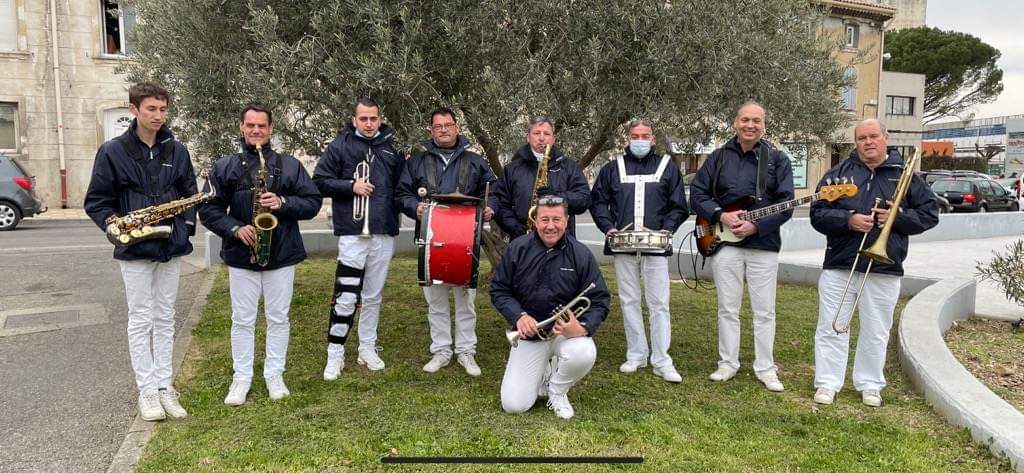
{"x": 547, "y": 286}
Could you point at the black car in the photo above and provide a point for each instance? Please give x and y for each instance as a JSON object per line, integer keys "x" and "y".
{"x": 17, "y": 197}
{"x": 975, "y": 194}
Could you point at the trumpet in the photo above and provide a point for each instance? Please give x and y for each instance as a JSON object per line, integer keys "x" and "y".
{"x": 361, "y": 203}
{"x": 578, "y": 305}
{"x": 877, "y": 251}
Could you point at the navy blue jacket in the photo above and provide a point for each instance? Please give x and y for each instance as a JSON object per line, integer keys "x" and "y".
{"x": 232, "y": 178}
{"x": 414, "y": 176}
{"x": 128, "y": 175}
{"x": 333, "y": 177}
{"x": 535, "y": 279}
{"x": 664, "y": 202}
{"x": 919, "y": 211}
{"x": 515, "y": 187}
{"x": 738, "y": 179}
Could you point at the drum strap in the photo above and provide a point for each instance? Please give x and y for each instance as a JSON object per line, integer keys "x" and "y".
{"x": 639, "y": 182}
{"x": 430, "y": 165}
{"x": 340, "y": 273}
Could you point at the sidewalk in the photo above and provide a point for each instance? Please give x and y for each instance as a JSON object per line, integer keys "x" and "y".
{"x": 944, "y": 259}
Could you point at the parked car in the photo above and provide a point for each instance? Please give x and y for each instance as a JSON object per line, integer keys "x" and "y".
{"x": 944, "y": 206}
{"x": 934, "y": 175}
{"x": 17, "y": 195}
{"x": 975, "y": 194}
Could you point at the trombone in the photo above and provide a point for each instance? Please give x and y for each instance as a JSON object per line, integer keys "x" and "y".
{"x": 361, "y": 203}
{"x": 877, "y": 251}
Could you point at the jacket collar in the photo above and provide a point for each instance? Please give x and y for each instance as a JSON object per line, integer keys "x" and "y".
{"x": 386, "y": 134}
{"x": 559, "y": 245}
{"x": 163, "y": 135}
{"x": 461, "y": 145}
{"x": 892, "y": 160}
{"x": 526, "y": 153}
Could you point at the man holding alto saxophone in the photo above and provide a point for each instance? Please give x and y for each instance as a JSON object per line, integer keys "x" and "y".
{"x": 141, "y": 169}
{"x": 260, "y": 196}
{"x": 879, "y": 175}
{"x": 359, "y": 171}
{"x": 539, "y": 272}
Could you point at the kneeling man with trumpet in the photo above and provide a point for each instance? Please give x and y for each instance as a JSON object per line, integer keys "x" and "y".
{"x": 548, "y": 275}
{"x": 848, "y": 224}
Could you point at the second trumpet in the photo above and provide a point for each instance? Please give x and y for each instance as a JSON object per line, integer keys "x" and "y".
{"x": 578, "y": 306}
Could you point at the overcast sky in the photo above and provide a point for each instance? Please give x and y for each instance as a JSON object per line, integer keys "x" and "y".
{"x": 998, "y": 23}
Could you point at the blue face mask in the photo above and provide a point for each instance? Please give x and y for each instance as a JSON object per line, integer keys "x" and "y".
{"x": 639, "y": 148}
{"x": 375, "y": 134}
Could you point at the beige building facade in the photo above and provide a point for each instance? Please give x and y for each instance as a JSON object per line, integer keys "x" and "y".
{"x": 61, "y": 95}
{"x": 902, "y": 109}
{"x": 909, "y": 13}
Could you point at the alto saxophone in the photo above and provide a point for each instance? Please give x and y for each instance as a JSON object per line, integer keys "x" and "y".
{"x": 138, "y": 226}
{"x": 264, "y": 221}
{"x": 540, "y": 181}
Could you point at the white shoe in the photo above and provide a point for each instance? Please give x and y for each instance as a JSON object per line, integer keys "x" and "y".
{"x": 150, "y": 408}
{"x": 439, "y": 361}
{"x": 771, "y": 381}
{"x": 237, "y": 392}
{"x": 871, "y": 397}
{"x": 467, "y": 362}
{"x": 335, "y": 363}
{"x": 723, "y": 373}
{"x": 824, "y": 396}
{"x": 370, "y": 360}
{"x": 560, "y": 404}
{"x": 169, "y": 401}
{"x": 630, "y": 366}
{"x": 668, "y": 373}
{"x": 276, "y": 387}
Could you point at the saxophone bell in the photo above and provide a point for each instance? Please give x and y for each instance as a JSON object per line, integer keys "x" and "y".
{"x": 264, "y": 221}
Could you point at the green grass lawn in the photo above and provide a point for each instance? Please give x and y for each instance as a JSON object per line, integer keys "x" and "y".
{"x": 698, "y": 425}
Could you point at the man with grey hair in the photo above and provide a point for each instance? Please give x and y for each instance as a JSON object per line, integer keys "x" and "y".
{"x": 514, "y": 189}
{"x": 644, "y": 191}
{"x": 876, "y": 171}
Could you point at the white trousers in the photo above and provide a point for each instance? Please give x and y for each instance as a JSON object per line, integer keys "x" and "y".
{"x": 761, "y": 269}
{"x": 654, "y": 270}
{"x": 151, "y": 289}
{"x": 438, "y": 315}
{"x": 374, "y": 256}
{"x": 831, "y": 350}
{"x": 246, "y": 287}
{"x": 573, "y": 359}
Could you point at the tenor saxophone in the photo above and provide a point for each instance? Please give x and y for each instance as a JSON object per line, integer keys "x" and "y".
{"x": 138, "y": 226}
{"x": 264, "y": 221}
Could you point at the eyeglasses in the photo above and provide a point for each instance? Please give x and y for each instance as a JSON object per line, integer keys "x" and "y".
{"x": 444, "y": 126}
{"x": 550, "y": 200}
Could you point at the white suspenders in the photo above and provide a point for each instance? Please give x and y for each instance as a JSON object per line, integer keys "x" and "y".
{"x": 639, "y": 181}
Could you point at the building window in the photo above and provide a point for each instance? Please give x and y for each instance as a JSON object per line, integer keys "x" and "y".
{"x": 118, "y": 21}
{"x": 852, "y": 35}
{"x": 9, "y": 127}
{"x": 896, "y": 105}
{"x": 8, "y": 26}
{"x": 115, "y": 122}
{"x": 850, "y": 92}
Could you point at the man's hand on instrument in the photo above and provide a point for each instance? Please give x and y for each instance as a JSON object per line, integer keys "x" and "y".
{"x": 569, "y": 328}
{"x": 527, "y": 326}
{"x": 362, "y": 187}
{"x": 860, "y": 223}
{"x": 731, "y": 219}
{"x": 488, "y": 214}
{"x": 612, "y": 230}
{"x": 247, "y": 235}
{"x": 882, "y": 215}
{"x": 270, "y": 200}
{"x": 420, "y": 207}
{"x": 744, "y": 229}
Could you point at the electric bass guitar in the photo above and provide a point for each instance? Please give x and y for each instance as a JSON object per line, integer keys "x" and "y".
{"x": 712, "y": 236}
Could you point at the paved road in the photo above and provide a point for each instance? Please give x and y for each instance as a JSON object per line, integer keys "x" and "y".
{"x": 67, "y": 395}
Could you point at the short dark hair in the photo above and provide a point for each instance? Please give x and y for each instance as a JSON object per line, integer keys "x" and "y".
{"x": 443, "y": 111}
{"x": 366, "y": 102}
{"x": 144, "y": 90}
{"x": 256, "y": 107}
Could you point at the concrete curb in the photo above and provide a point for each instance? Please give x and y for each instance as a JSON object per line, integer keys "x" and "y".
{"x": 946, "y": 384}
{"x": 135, "y": 441}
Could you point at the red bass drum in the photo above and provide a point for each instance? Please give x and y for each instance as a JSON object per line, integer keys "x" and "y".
{"x": 448, "y": 240}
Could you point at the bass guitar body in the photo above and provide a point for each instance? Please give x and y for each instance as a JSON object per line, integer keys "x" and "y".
{"x": 712, "y": 236}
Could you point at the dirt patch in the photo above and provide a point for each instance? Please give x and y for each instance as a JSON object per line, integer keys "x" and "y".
{"x": 993, "y": 351}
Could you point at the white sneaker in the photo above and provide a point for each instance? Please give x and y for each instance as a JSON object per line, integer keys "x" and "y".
{"x": 560, "y": 404}
{"x": 630, "y": 366}
{"x": 723, "y": 373}
{"x": 276, "y": 387}
{"x": 237, "y": 392}
{"x": 771, "y": 381}
{"x": 871, "y": 397}
{"x": 150, "y": 408}
{"x": 824, "y": 396}
{"x": 467, "y": 362}
{"x": 335, "y": 363}
{"x": 439, "y": 361}
{"x": 169, "y": 401}
{"x": 370, "y": 360}
{"x": 668, "y": 373}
